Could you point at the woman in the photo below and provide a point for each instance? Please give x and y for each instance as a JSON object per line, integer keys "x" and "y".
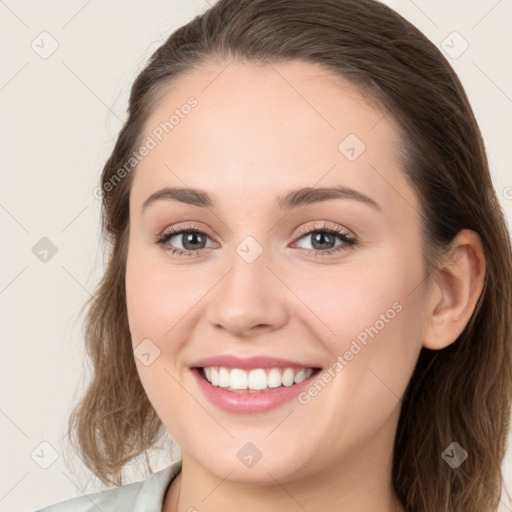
{"x": 309, "y": 282}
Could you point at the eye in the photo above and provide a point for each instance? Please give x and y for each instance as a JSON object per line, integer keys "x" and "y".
{"x": 323, "y": 239}
{"x": 193, "y": 240}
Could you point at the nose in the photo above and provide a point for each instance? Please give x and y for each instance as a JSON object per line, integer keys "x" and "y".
{"x": 250, "y": 299}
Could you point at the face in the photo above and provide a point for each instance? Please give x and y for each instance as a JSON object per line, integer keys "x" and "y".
{"x": 331, "y": 282}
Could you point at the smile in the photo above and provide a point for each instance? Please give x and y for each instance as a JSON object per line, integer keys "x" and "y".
{"x": 239, "y": 395}
{"x": 256, "y": 380}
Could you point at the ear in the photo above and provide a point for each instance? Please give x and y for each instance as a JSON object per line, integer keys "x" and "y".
{"x": 456, "y": 287}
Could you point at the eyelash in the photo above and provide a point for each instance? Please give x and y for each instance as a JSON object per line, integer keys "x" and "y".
{"x": 348, "y": 241}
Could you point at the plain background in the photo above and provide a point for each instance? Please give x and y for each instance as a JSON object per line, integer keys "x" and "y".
{"x": 60, "y": 116}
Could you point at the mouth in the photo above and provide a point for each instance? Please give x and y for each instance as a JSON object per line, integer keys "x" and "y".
{"x": 251, "y": 385}
{"x": 254, "y": 391}
{"x": 257, "y": 380}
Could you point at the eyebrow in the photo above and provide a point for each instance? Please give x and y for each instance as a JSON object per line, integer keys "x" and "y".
{"x": 290, "y": 200}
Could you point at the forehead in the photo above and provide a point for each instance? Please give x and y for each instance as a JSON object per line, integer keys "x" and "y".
{"x": 259, "y": 129}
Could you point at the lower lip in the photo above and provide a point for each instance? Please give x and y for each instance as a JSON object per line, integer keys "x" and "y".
{"x": 240, "y": 402}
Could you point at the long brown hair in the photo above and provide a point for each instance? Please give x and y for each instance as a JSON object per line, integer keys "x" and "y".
{"x": 461, "y": 393}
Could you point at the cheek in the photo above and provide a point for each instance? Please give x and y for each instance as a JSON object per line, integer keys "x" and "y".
{"x": 155, "y": 304}
{"x": 371, "y": 325}
{"x": 341, "y": 302}
{"x": 371, "y": 297}
{"x": 369, "y": 318}
{"x": 156, "y": 297}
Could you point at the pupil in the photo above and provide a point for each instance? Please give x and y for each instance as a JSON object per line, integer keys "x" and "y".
{"x": 320, "y": 238}
{"x": 192, "y": 238}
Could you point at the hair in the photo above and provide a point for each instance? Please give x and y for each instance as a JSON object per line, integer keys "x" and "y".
{"x": 461, "y": 393}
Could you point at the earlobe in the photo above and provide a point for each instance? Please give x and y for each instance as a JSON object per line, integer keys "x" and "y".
{"x": 457, "y": 286}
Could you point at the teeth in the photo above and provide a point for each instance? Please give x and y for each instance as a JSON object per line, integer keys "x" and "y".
{"x": 274, "y": 378}
{"x": 238, "y": 379}
{"x": 287, "y": 377}
{"x": 223, "y": 378}
{"x": 214, "y": 375}
{"x": 255, "y": 380}
{"x": 300, "y": 376}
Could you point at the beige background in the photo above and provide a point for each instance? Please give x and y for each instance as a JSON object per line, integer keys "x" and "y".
{"x": 59, "y": 118}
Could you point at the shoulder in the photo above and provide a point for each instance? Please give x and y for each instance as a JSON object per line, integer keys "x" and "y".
{"x": 144, "y": 496}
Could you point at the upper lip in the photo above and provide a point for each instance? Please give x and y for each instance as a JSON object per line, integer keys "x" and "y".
{"x": 230, "y": 361}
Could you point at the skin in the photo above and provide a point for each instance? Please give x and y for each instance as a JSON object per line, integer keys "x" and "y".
{"x": 257, "y": 132}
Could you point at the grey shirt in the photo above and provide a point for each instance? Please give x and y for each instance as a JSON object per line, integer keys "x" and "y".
{"x": 144, "y": 496}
